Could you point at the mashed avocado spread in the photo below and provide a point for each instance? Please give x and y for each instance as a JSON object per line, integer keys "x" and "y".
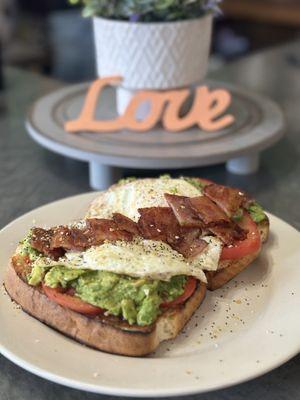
{"x": 257, "y": 212}
{"x": 26, "y": 249}
{"x": 135, "y": 300}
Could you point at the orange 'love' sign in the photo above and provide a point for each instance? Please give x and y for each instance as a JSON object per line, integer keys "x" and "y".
{"x": 206, "y": 112}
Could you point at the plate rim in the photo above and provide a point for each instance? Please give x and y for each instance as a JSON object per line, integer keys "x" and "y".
{"x": 128, "y": 392}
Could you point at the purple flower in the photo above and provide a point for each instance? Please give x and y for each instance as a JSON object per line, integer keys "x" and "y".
{"x": 212, "y": 5}
{"x": 134, "y": 17}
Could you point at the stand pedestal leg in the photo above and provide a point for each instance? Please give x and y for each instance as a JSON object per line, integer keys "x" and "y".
{"x": 103, "y": 176}
{"x": 243, "y": 165}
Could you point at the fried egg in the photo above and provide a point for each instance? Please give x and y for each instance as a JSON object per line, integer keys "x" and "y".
{"x": 142, "y": 258}
{"x": 128, "y": 197}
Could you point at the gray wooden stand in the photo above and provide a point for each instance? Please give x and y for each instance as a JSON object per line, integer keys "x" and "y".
{"x": 244, "y": 165}
{"x": 258, "y": 124}
{"x": 102, "y": 176}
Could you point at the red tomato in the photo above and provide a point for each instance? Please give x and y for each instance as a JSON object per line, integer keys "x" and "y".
{"x": 244, "y": 247}
{"x": 66, "y": 300}
{"x": 188, "y": 291}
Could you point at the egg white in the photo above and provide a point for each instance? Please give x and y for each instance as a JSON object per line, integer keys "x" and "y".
{"x": 142, "y": 258}
{"x": 128, "y": 197}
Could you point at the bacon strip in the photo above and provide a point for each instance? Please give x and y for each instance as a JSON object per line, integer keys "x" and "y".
{"x": 204, "y": 212}
{"x": 190, "y": 248}
{"x": 41, "y": 241}
{"x": 207, "y": 210}
{"x": 228, "y": 199}
{"x": 54, "y": 242}
{"x": 228, "y": 232}
{"x": 160, "y": 223}
{"x": 70, "y": 239}
{"x": 183, "y": 211}
{"x": 156, "y": 223}
{"x": 101, "y": 229}
{"x": 126, "y": 223}
{"x": 179, "y": 225}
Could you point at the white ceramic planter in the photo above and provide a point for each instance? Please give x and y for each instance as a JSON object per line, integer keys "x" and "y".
{"x": 152, "y": 55}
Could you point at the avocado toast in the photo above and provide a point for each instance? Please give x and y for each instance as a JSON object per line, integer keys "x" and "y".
{"x": 132, "y": 273}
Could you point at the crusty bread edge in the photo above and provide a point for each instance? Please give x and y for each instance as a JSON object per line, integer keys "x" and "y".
{"x": 93, "y": 332}
{"x": 229, "y": 269}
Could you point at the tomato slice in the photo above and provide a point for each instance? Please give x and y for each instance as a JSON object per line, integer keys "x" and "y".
{"x": 244, "y": 247}
{"x": 189, "y": 289}
{"x": 61, "y": 297}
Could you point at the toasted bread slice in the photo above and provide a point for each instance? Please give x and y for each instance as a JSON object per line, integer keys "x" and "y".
{"x": 103, "y": 333}
{"x": 228, "y": 269}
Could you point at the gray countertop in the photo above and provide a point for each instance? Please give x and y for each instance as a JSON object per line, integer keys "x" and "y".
{"x": 31, "y": 176}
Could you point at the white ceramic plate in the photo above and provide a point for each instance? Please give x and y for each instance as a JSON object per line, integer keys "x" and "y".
{"x": 240, "y": 332}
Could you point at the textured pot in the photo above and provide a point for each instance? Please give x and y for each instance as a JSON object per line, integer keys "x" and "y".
{"x": 152, "y": 55}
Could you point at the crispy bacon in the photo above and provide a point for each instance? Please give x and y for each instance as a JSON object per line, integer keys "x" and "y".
{"x": 209, "y": 215}
{"x": 179, "y": 225}
{"x": 41, "y": 241}
{"x": 228, "y": 232}
{"x": 216, "y": 221}
{"x": 70, "y": 238}
{"x": 183, "y": 211}
{"x": 100, "y": 229}
{"x": 160, "y": 223}
{"x": 54, "y": 242}
{"x": 228, "y": 199}
{"x": 126, "y": 223}
{"x": 157, "y": 223}
{"x": 207, "y": 210}
{"x": 189, "y": 248}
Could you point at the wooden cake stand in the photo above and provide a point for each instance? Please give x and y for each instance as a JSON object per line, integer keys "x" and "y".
{"x": 259, "y": 123}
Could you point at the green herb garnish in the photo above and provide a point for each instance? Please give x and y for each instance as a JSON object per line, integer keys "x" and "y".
{"x": 195, "y": 182}
{"x": 165, "y": 176}
{"x": 127, "y": 180}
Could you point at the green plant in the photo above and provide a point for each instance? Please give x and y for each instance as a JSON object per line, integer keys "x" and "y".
{"x": 147, "y": 10}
